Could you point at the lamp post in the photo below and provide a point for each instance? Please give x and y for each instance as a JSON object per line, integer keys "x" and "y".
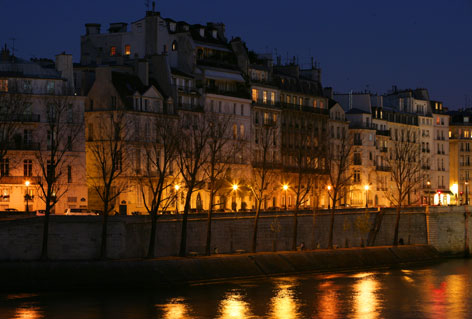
{"x": 285, "y": 188}
{"x": 177, "y": 187}
{"x": 366, "y": 187}
{"x": 27, "y": 183}
{"x": 467, "y": 193}
{"x": 429, "y": 191}
{"x": 329, "y": 188}
{"x": 235, "y": 190}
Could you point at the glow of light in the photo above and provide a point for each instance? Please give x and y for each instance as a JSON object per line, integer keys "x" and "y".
{"x": 328, "y": 302}
{"x": 329, "y": 187}
{"x": 28, "y": 313}
{"x": 365, "y": 300}
{"x": 233, "y": 306}
{"x": 366, "y": 187}
{"x": 175, "y": 309}
{"x": 283, "y": 304}
{"x": 177, "y": 187}
{"x": 455, "y": 189}
{"x": 27, "y": 183}
{"x": 235, "y": 187}
{"x": 285, "y": 187}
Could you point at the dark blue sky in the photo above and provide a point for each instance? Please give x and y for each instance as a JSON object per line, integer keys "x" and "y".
{"x": 365, "y": 44}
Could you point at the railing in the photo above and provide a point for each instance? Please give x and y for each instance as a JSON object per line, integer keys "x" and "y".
{"x": 186, "y": 89}
{"x": 19, "y": 180}
{"x": 358, "y": 125}
{"x": 383, "y": 149}
{"x": 382, "y": 168}
{"x": 357, "y": 162}
{"x": 190, "y": 107}
{"x": 24, "y": 146}
{"x": 19, "y": 118}
{"x": 383, "y": 132}
{"x": 243, "y": 94}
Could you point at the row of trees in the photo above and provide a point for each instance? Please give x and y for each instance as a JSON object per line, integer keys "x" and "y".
{"x": 198, "y": 149}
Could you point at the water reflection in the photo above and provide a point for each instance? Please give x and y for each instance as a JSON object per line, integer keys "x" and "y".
{"x": 175, "y": 309}
{"x": 328, "y": 305}
{"x": 365, "y": 297}
{"x": 234, "y": 306}
{"x": 456, "y": 295}
{"x": 283, "y": 305}
{"x": 28, "y": 313}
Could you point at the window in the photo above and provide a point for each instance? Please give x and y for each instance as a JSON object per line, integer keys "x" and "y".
{"x": 235, "y": 131}
{"x": 174, "y": 46}
{"x": 219, "y": 106}
{"x": 5, "y": 167}
{"x": 27, "y": 87}
{"x": 234, "y": 108}
{"x": 4, "y": 85}
{"x": 50, "y": 87}
{"x": 357, "y": 176}
{"x": 69, "y": 143}
{"x": 113, "y": 51}
{"x": 254, "y": 95}
{"x": 127, "y": 49}
{"x": 27, "y": 168}
{"x": 90, "y": 132}
{"x": 272, "y": 97}
{"x": 27, "y": 137}
{"x": 264, "y": 97}
{"x": 50, "y": 169}
{"x": 241, "y": 131}
{"x": 242, "y": 109}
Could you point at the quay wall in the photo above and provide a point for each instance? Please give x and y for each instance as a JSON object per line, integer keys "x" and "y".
{"x": 78, "y": 237}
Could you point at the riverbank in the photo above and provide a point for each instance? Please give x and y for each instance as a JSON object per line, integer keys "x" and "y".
{"x": 172, "y": 271}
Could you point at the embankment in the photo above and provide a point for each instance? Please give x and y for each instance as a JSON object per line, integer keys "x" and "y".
{"x": 179, "y": 271}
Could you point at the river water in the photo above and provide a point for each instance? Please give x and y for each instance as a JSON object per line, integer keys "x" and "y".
{"x": 439, "y": 291}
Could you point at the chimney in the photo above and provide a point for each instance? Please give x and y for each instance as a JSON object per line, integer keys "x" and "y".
{"x": 92, "y": 28}
{"x": 65, "y": 68}
{"x": 143, "y": 71}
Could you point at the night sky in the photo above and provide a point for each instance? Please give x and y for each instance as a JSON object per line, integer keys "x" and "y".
{"x": 365, "y": 44}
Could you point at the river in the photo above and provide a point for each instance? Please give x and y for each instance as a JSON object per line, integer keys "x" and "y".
{"x": 439, "y": 291}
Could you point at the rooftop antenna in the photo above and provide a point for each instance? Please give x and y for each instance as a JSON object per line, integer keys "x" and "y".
{"x": 13, "y": 46}
{"x": 153, "y": 6}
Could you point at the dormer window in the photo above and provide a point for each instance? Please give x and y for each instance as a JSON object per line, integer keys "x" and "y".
{"x": 214, "y": 34}
{"x": 127, "y": 49}
{"x": 202, "y": 32}
{"x": 113, "y": 51}
{"x": 172, "y": 27}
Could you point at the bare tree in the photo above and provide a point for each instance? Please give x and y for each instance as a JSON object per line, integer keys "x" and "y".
{"x": 305, "y": 172}
{"x": 13, "y": 107}
{"x": 404, "y": 159}
{"x": 159, "y": 178}
{"x": 191, "y": 157}
{"x": 221, "y": 153}
{"x": 337, "y": 165}
{"x": 64, "y": 126}
{"x": 263, "y": 169}
{"x": 108, "y": 158}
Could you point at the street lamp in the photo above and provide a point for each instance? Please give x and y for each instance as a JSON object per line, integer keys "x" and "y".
{"x": 177, "y": 187}
{"x": 429, "y": 192}
{"x": 329, "y": 188}
{"x": 366, "y": 187}
{"x": 235, "y": 189}
{"x": 467, "y": 193}
{"x": 285, "y": 188}
{"x": 27, "y": 183}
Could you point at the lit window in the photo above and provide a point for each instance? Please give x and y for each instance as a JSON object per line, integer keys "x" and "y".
{"x": 174, "y": 46}
{"x": 315, "y": 103}
{"x": 127, "y": 49}
{"x": 264, "y": 97}
{"x": 272, "y": 97}
{"x": 113, "y": 51}
{"x": 254, "y": 95}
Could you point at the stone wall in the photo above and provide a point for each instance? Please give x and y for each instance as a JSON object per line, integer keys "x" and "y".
{"x": 78, "y": 237}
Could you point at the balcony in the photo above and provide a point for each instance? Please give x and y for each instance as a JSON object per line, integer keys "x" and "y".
{"x": 425, "y": 167}
{"x": 383, "y": 149}
{"x": 240, "y": 93}
{"x": 22, "y": 146}
{"x": 190, "y": 107}
{"x": 185, "y": 89}
{"x": 19, "y": 180}
{"x": 25, "y": 118}
{"x": 383, "y": 132}
{"x": 382, "y": 168}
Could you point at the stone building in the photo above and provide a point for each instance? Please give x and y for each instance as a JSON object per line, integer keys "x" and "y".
{"x": 46, "y": 137}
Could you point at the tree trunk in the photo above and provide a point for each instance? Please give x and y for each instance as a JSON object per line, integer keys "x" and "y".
{"x": 397, "y": 224}
{"x": 152, "y": 239}
{"x": 210, "y": 215}
{"x": 183, "y": 235}
{"x": 331, "y": 225}
{"x": 256, "y": 221}
{"x": 44, "y": 248}
{"x": 295, "y": 228}
{"x": 103, "y": 248}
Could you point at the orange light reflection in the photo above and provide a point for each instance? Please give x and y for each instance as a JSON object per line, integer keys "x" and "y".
{"x": 365, "y": 299}
{"x": 283, "y": 304}
{"x": 233, "y": 306}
